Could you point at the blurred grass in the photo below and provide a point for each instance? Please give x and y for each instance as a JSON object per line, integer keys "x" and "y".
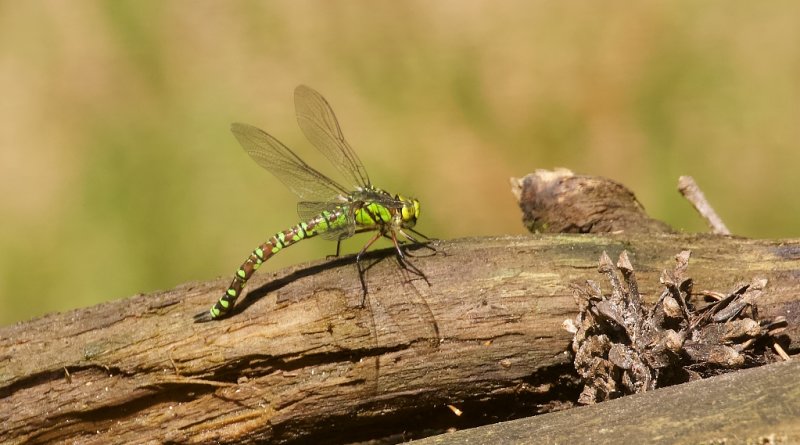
{"x": 118, "y": 173}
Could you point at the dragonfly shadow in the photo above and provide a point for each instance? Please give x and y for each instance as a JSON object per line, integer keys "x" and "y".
{"x": 276, "y": 284}
{"x": 370, "y": 259}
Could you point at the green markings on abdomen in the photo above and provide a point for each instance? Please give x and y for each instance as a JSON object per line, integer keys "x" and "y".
{"x": 322, "y": 223}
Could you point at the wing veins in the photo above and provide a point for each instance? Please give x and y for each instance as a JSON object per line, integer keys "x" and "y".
{"x": 320, "y": 126}
{"x": 268, "y": 152}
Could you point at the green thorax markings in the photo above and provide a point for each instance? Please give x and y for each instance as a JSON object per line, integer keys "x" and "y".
{"x": 326, "y": 208}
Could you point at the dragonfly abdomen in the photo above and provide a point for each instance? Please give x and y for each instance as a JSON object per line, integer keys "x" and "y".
{"x": 324, "y": 222}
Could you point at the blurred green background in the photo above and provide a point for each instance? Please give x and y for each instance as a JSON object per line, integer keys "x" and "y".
{"x": 118, "y": 173}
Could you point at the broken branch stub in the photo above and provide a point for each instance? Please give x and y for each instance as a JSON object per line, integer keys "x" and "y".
{"x": 560, "y": 201}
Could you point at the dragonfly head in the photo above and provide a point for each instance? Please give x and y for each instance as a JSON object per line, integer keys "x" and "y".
{"x": 409, "y": 212}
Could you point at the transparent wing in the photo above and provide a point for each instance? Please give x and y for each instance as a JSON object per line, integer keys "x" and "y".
{"x": 318, "y": 123}
{"x": 311, "y": 209}
{"x": 278, "y": 159}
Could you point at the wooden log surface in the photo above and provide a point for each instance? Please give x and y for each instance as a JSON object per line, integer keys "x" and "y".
{"x": 752, "y": 406}
{"x": 301, "y": 359}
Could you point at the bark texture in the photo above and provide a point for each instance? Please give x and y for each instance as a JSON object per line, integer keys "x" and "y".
{"x": 301, "y": 360}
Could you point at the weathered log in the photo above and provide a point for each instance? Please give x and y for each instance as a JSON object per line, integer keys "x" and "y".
{"x": 752, "y": 406}
{"x": 301, "y": 359}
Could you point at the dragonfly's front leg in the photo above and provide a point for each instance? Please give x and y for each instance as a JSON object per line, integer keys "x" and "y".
{"x": 422, "y": 235}
{"x": 425, "y": 244}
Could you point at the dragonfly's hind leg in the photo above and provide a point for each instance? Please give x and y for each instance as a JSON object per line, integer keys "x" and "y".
{"x": 361, "y": 270}
{"x": 335, "y": 255}
{"x": 401, "y": 256}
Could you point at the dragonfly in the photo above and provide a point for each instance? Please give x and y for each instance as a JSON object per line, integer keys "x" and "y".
{"x": 326, "y": 208}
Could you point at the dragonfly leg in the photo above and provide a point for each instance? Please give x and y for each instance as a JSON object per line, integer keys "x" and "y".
{"x": 401, "y": 258}
{"x": 336, "y": 255}
{"x": 410, "y": 238}
{"x": 421, "y": 235}
{"x": 361, "y": 270}
{"x": 425, "y": 244}
{"x": 396, "y": 244}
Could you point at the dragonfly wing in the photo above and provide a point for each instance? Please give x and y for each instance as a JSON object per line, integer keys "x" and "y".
{"x": 318, "y": 123}
{"x": 278, "y": 159}
{"x": 378, "y": 197}
{"x": 309, "y": 210}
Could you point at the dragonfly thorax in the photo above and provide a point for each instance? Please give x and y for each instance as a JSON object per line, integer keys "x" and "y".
{"x": 377, "y": 209}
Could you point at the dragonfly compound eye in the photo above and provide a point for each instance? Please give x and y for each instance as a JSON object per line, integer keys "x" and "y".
{"x": 410, "y": 211}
